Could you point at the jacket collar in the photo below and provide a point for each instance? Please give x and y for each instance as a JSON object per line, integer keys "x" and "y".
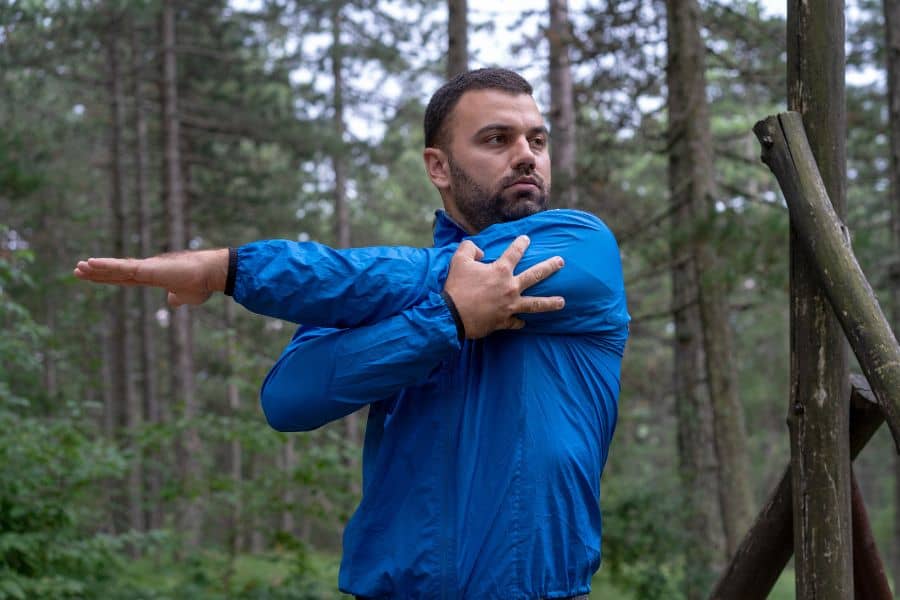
{"x": 446, "y": 230}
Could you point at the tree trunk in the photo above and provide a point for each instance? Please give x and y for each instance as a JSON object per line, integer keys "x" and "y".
{"x": 51, "y": 373}
{"x": 146, "y": 317}
{"x": 693, "y": 186}
{"x": 341, "y": 210}
{"x": 696, "y": 437}
{"x": 182, "y": 372}
{"x": 562, "y": 106}
{"x": 259, "y": 465}
{"x": 235, "y": 456}
{"x": 123, "y": 365}
{"x": 691, "y": 181}
{"x": 289, "y": 463}
{"x": 457, "y": 37}
{"x": 818, "y": 413}
{"x": 892, "y": 57}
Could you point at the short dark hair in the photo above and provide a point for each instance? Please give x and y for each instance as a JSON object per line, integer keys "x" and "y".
{"x": 445, "y": 99}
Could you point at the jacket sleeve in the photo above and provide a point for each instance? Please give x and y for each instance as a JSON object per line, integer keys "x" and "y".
{"x": 313, "y": 284}
{"x": 310, "y": 283}
{"x": 325, "y": 374}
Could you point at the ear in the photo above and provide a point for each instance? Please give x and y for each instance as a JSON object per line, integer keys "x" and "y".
{"x": 437, "y": 167}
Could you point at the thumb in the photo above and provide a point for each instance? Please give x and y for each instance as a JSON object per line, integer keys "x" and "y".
{"x": 178, "y": 297}
{"x": 468, "y": 251}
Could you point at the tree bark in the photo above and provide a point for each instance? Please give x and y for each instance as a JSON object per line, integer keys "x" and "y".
{"x": 892, "y": 57}
{"x": 130, "y": 414}
{"x": 457, "y": 37}
{"x": 826, "y": 244}
{"x": 818, "y": 411}
{"x": 341, "y": 210}
{"x": 182, "y": 371}
{"x": 562, "y": 106}
{"x": 289, "y": 463}
{"x": 146, "y": 317}
{"x": 691, "y": 182}
{"x": 768, "y": 546}
{"x": 234, "y": 450}
{"x": 696, "y": 438}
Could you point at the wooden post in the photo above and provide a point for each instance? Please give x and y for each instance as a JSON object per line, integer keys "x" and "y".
{"x": 825, "y": 239}
{"x": 767, "y": 547}
{"x": 818, "y": 410}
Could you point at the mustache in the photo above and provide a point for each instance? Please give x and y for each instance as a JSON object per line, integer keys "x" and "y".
{"x": 522, "y": 174}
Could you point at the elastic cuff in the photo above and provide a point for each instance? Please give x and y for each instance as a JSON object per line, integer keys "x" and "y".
{"x": 457, "y": 319}
{"x": 232, "y": 271}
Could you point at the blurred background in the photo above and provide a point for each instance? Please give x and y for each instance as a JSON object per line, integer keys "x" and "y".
{"x": 136, "y": 462}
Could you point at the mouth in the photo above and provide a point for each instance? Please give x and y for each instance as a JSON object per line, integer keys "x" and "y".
{"x": 525, "y": 182}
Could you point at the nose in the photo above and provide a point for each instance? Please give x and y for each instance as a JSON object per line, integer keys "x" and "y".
{"x": 523, "y": 158}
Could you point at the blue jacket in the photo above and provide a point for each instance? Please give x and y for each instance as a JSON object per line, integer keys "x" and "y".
{"x": 482, "y": 459}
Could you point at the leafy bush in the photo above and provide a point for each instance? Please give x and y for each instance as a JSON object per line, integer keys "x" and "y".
{"x": 641, "y": 548}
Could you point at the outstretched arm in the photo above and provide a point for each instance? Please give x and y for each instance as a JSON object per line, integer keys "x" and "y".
{"x": 317, "y": 285}
{"x": 313, "y": 284}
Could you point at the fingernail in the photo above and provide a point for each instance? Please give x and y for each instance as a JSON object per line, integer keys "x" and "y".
{"x": 560, "y": 262}
{"x": 561, "y": 303}
{"x": 525, "y": 238}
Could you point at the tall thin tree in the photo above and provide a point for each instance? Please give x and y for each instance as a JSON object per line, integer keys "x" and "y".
{"x": 457, "y": 37}
{"x": 339, "y": 165}
{"x": 129, "y": 409}
{"x": 563, "y": 154}
{"x": 690, "y": 179}
{"x": 182, "y": 369}
{"x": 146, "y": 318}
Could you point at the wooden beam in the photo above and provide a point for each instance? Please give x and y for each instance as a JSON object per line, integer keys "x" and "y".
{"x": 869, "y": 579}
{"x": 768, "y": 546}
{"x": 787, "y": 153}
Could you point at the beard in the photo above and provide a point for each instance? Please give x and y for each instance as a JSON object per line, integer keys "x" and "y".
{"x": 483, "y": 207}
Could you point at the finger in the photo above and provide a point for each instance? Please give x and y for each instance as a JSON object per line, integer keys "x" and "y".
{"x": 468, "y": 251}
{"x": 104, "y": 271}
{"x": 85, "y": 273}
{"x": 537, "y": 304}
{"x": 515, "y": 323}
{"x": 173, "y": 300}
{"x": 539, "y": 272}
{"x": 140, "y": 271}
{"x": 191, "y": 297}
{"x": 513, "y": 254}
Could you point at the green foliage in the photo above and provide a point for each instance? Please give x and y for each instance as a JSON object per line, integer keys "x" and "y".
{"x": 49, "y": 545}
{"x": 642, "y": 539}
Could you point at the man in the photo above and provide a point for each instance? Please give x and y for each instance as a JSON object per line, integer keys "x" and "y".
{"x": 490, "y": 412}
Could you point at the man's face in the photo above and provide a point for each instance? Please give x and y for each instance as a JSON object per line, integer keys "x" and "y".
{"x": 497, "y": 158}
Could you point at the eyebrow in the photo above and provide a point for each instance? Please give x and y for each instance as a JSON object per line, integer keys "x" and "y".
{"x": 502, "y": 127}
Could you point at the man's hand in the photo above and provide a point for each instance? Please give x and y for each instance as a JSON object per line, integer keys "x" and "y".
{"x": 190, "y": 277}
{"x": 488, "y": 296}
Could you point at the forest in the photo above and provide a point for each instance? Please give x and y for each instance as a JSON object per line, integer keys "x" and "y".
{"x": 136, "y": 461}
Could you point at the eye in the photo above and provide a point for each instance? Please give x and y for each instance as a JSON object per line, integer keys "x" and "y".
{"x": 539, "y": 141}
{"x": 495, "y": 139}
